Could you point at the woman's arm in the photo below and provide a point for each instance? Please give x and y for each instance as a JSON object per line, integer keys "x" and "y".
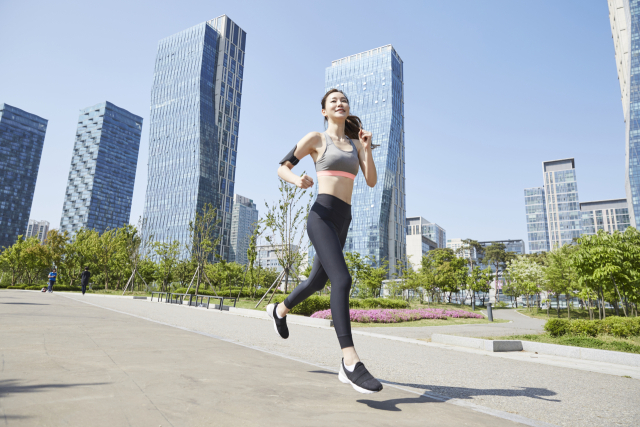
{"x": 306, "y": 146}
{"x": 366, "y": 158}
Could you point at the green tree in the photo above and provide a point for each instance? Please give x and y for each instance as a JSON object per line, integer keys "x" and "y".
{"x": 204, "y": 238}
{"x": 497, "y": 256}
{"x": 286, "y": 221}
{"x": 560, "y": 275}
{"x": 167, "y": 255}
{"x": 527, "y": 275}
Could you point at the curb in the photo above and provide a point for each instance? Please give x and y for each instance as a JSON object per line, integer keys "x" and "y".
{"x": 478, "y": 343}
{"x": 291, "y": 318}
{"x": 596, "y": 355}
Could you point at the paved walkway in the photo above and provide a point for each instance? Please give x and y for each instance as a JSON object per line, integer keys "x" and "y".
{"x": 68, "y": 363}
{"x": 519, "y": 324}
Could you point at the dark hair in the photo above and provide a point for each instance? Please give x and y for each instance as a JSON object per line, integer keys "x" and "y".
{"x": 86, "y": 268}
{"x": 352, "y": 125}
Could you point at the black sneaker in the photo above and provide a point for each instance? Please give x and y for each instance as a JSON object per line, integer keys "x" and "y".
{"x": 360, "y": 379}
{"x": 280, "y": 325}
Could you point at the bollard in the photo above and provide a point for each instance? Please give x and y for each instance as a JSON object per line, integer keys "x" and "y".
{"x": 489, "y": 312}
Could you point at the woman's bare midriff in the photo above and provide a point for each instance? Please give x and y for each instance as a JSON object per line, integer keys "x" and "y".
{"x": 337, "y": 186}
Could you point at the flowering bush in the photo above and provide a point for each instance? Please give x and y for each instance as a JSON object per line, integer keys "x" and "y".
{"x": 396, "y": 316}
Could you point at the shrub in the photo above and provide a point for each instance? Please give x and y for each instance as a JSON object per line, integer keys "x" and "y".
{"x": 557, "y": 327}
{"x": 617, "y": 326}
{"x": 309, "y": 306}
{"x": 371, "y": 303}
{"x": 586, "y": 328}
{"x": 16, "y": 287}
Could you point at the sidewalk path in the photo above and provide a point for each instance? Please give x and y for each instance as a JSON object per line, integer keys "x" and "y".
{"x": 81, "y": 360}
{"x": 519, "y": 325}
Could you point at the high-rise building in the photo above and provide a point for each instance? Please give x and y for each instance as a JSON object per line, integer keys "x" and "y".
{"x": 38, "y": 229}
{"x": 373, "y": 82}
{"x": 243, "y": 223}
{"x": 21, "y": 141}
{"x": 103, "y": 169}
{"x": 193, "y": 141}
{"x": 537, "y": 226}
{"x": 553, "y": 211}
{"x": 624, "y": 17}
{"x": 607, "y": 215}
{"x": 562, "y": 204}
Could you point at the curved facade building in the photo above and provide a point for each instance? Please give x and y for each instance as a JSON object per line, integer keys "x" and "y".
{"x": 193, "y": 141}
{"x": 373, "y": 82}
{"x": 624, "y": 17}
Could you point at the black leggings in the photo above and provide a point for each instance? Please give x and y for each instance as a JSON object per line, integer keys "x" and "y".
{"x": 327, "y": 226}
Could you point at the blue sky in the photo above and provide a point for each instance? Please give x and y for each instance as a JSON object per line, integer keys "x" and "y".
{"x": 492, "y": 89}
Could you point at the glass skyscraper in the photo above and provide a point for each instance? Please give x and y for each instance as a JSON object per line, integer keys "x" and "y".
{"x": 607, "y": 215}
{"x": 537, "y": 226}
{"x": 624, "y": 17}
{"x": 193, "y": 141}
{"x": 103, "y": 169}
{"x": 553, "y": 211}
{"x": 243, "y": 223}
{"x": 562, "y": 204}
{"x": 373, "y": 82}
{"x": 21, "y": 141}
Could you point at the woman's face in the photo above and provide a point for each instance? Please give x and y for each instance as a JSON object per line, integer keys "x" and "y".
{"x": 336, "y": 107}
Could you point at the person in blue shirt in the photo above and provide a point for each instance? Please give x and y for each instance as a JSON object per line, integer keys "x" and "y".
{"x": 52, "y": 280}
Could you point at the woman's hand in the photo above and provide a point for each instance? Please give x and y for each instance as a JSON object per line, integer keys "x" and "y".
{"x": 365, "y": 138}
{"x": 304, "y": 181}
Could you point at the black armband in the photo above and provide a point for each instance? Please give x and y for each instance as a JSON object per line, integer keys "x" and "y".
{"x": 291, "y": 157}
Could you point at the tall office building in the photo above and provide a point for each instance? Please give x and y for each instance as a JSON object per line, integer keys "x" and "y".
{"x": 537, "y": 226}
{"x": 553, "y": 211}
{"x": 193, "y": 141}
{"x": 456, "y": 246}
{"x": 562, "y": 204}
{"x": 103, "y": 169}
{"x": 607, "y": 215}
{"x": 373, "y": 82}
{"x": 624, "y": 16}
{"x": 21, "y": 141}
{"x": 38, "y": 229}
{"x": 244, "y": 218}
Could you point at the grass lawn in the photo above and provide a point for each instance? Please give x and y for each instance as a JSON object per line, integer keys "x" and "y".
{"x": 427, "y": 322}
{"x": 576, "y": 313}
{"x": 601, "y": 342}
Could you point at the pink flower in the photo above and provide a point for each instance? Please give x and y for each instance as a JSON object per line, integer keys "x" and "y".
{"x": 400, "y": 315}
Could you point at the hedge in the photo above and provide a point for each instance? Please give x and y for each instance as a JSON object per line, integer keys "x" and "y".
{"x": 317, "y": 303}
{"x": 620, "y": 327}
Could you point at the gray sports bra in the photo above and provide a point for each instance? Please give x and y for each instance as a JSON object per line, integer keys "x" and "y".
{"x": 336, "y": 162}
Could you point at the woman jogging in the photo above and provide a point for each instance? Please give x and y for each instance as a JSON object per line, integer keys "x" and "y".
{"x": 338, "y": 154}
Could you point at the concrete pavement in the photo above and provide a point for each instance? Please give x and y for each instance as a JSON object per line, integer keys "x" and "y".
{"x": 66, "y": 363}
{"x": 519, "y": 324}
{"x": 529, "y": 393}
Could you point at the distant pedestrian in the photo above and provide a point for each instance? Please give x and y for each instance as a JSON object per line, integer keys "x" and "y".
{"x": 84, "y": 280}
{"x": 52, "y": 280}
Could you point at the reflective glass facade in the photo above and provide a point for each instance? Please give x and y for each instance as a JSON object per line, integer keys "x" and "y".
{"x": 373, "y": 82}
{"x": 243, "y": 223}
{"x": 21, "y": 141}
{"x": 537, "y": 226}
{"x": 193, "y": 141}
{"x": 607, "y": 215}
{"x": 103, "y": 169}
{"x": 562, "y": 204}
{"x": 624, "y": 17}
